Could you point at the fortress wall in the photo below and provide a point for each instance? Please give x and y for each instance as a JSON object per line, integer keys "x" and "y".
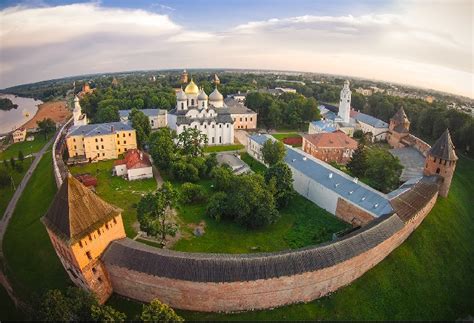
{"x": 418, "y": 144}
{"x": 352, "y": 214}
{"x": 260, "y": 293}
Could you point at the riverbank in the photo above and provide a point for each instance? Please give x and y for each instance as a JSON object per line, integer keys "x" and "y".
{"x": 55, "y": 110}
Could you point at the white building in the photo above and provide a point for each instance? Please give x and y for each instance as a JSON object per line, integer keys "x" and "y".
{"x": 80, "y": 119}
{"x": 194, "y": 109}
{"x": 158, "y": 117}
{"x": 134, "y": 166}
{"x": 19, "y": 135}
{"x": 345, "y": 103}
{"x": 368, "y": 124}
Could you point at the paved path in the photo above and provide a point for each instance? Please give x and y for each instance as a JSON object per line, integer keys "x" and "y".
{"x": 9, "y": 212}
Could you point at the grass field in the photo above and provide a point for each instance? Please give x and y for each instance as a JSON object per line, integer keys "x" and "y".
{"x": 32, "y": 264}
{"x": 27, "y": 147}
{"x": 216, "y": 149}
{"x": 6, "y": 193}
{"x": 118, "y": 191}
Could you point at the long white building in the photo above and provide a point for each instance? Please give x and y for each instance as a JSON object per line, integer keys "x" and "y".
{"x": 208, "y": 114}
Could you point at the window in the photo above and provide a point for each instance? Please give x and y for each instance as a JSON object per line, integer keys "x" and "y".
{"x": 88, "y": 254}
{"x": 245, "y": 118}
{"x": 227, "y": 125}
{"x": 182, "y": 105}
{"x": 212, "y": 126}
{"x": 117, "y": 135}
{"x": 99, "y": 279}
{"x": 241, "y": 119}
{"x": 125, "y": 149}
{"x": 220, "y": 126}
{"x": 130, "y": 134}
{"x": 98, "y": 154}
{"x": 192, "y": 101}
{"x": 74, "y": 146}
{"x": 115, "y": 221}
{"x": 123, "y": 135}
{"x": 90, "y": 237}
{"x": 80, "y": 244}
{"x": 220, "y": 139}
{"x": 119, "y": 149}
{"x": 124, "y": 142}
{"x": 101, "y": 139}
{"x": 102, "y": 146}
{"x": 437, "y": 171}
{"x": 98, "y": 231}
{"x": 94, "y": 270}
{"x": 118, "y": 142}
{"x": 250, "y": 119}
{"x": 107, "y": 226}
{"x": 74, "y": 139}
{"x": 205, "y": 126}
{"x": 97, "y": 147}
{"x": 202, "y": 103}
{"x": 213, "y": 139}
{"x": 103, "y": 154}
{"x": 96, "y": 140}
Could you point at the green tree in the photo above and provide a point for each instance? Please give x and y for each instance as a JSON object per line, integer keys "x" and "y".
{"x": 192, "y": 193}
{"x": 210, "y": 162}
{"x": 358, "y": 163}
{"x": 108, "y": 114}
{"x": 54, "y": 306}
{"x": 222, "y": 178}
{"x": 383, "y": 171}
{"x": 281, "y": 174}
{"x": 159, "y": 312}
{"x": 191, "y": 142}
{"x": 154, "y": 213}
{"x": 106, "y": 313}
{"x": 163, "y": 148}
{"x": 184, "y": 171}
{"x": 273, "y": 151}
{"x": 46, "y": 126}
{"x": 141, "y": 124}
{"x": 21, "y": 157}
{"x": 216, "y": 208}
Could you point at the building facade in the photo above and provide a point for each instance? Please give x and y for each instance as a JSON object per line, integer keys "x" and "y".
{"x": 377, "y": 128}
{"x": 243, "y": 117}
{"x": 102, "y": 141}
{"x": 399, "y": 129}
{"x": 345, "y": 103}
{"x": 19, "y": 135}
{"x": 135, "y": 165}
{"x": 330, "y": 147}
{"x": 158, "y": 117}
{"x": 208, "y": 114}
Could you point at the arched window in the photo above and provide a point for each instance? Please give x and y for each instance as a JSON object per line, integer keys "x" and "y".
{"x": 437, "y": 171}
{"x": 192, "y": 101}
{"x": 182, "y": 105}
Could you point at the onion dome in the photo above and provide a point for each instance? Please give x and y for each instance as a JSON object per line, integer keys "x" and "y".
{"x": 181, "y": 96}
{"x": 216, "y": 95}
{"x": 191, "y": 88}
{"x": 202, "y": 95}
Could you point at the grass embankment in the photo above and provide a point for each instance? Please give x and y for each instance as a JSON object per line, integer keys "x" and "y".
{"x": 118, "y": 191}
{"x": 7, "y": 192}
{"x": 32, "y": 264}
{"x": 429, "y": 277}
{"x": 27, "y": 147}
{"x": 216, "y": 149}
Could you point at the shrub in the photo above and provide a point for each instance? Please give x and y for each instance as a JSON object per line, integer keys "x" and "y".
{"x": 192, "y": 193}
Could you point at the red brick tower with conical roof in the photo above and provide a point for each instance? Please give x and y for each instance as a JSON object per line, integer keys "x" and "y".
{"x": 441, "y": 161}
{"x": 81, "y": 226}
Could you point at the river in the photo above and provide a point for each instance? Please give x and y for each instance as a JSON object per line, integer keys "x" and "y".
{"x": 10, "y": 120}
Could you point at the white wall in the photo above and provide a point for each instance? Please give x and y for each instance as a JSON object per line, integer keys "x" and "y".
{"x": 121, "y": 170}
{"x": 140, "y": 173}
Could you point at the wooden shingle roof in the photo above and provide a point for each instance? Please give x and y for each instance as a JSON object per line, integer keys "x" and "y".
{"x": 77, "y": 211}
{"x": 201, "y": 267}
{"x": 444, "y": 147}
{"x": 408, "y": 204}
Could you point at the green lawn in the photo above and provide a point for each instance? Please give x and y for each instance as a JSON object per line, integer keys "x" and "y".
{"x": 6, "y": 193}
{"x": 27, "y": 147}
{"x": 216, "y": 149}
{"x": 118, "y": 191}
{"x": 32, "y": 264}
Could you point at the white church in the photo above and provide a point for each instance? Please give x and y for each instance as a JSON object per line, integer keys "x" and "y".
{"x": 79, "y": 118}
{"x": 208, "y": 114}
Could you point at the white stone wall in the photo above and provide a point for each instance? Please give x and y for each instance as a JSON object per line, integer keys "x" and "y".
{"x": 140, "y": 173}
{"x": 375, "y": 131}
{"x": 120, "y": 170}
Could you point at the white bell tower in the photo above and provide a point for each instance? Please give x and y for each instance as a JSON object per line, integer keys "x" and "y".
{"x": 345, "y": 103}
{"x": 79, "y": 118}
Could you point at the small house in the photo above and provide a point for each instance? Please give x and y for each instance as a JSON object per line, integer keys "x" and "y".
{"x": 135, "y": 165}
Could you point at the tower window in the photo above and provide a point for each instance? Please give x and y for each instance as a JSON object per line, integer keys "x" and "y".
{"x": 88, "y": 254}
{"x": 94, "y": 270}
{"x": 115, "y": 221}
{"x": 90, "y": 237}
{"x": 80, "y": 244}
{"x": 98, "y": 231}
{"x": 182, "y": 105}
{"x": 437, "y": 171}
{"x": 99, "y": 279}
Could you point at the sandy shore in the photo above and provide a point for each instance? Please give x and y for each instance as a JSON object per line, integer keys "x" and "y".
{"x": 55, "y": 110}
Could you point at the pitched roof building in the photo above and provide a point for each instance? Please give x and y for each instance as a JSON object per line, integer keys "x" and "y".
{"x": 135, "y": 165}
{"x": 330, "y": 146}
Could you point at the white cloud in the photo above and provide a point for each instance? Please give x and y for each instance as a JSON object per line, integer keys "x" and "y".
{"x": 408, "y": 45}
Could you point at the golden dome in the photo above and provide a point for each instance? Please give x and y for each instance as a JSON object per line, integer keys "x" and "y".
{"x": 191, "y": 88}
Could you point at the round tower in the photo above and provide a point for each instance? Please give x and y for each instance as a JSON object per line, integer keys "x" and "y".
{"x": 441, "y": 161}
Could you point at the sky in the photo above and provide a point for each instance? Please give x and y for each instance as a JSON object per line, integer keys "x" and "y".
{"x": 426, "y": 43}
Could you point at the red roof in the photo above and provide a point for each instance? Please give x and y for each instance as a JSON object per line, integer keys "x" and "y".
{"x": 134, "y": 158}
{"x": 336, "y": 139}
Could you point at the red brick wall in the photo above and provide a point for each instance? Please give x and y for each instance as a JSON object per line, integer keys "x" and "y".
{"x": 259, "y": 294}
{"x": 446, "y": 171}
{"x": 350, "y": 213}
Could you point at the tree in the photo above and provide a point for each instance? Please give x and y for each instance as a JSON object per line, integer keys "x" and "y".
{"x": 211, "y": 163}
{"x": 191, "y": 142}
{"x": 108, "y": 114}
{"x": 273, "y": 151}
{"x": 222, "y": 178}
{"x": 383, "y": 171}
{"x": 159, "y": 312}
{"x": 283, "y": 181}
{"x": 46, "y": 126}
{"x": 54, "y": 306}
{"x": 21, "y": 157}
{"x": 141, "y": 124}
{"x": 184, "y": 171}
{"x": 358, "y": 163}
{"x": 154, "y": 212}
{"x": 216, "y": 208}
{"x": 162, "y": 147}
{"x": 192, "y": 193}
{"x": 106, "y": 313}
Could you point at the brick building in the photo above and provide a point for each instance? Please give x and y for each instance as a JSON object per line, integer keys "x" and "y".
{"x": 330, "y": 146}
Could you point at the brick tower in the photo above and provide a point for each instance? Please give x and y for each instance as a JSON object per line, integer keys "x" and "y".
{"x": 184, "y": 77}
{"x": 81, "y": 226}
{"x": 399, "y": 127}
{"x": 441, "y": 160}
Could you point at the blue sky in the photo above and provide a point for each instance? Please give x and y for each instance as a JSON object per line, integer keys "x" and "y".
{"x": 419, "y": 42}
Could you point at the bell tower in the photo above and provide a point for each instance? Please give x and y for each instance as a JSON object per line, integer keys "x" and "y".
{"x": 441, "y": 161}
{"x": 345, "y": 103}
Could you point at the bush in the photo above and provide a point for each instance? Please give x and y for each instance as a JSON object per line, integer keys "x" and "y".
{"x": 358, "y": 134}
{"x": 192, "y": 193}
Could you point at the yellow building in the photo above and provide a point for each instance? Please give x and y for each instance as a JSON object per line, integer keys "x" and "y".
{"x": 81, "y": 226}
{"x": 95, "y": 142}
{"x": 19, "y": 135}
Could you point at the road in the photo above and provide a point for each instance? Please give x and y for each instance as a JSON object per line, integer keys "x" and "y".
{"x": 8, "y": 214}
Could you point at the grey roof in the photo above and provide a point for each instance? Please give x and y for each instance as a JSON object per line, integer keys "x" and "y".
{"x": 99, "y": 129}
{"x": 400, "y": 116}
{"x": 342, "y": 184}
{"x": 147, "y": 112}
{"x": 201, "y": 267}
{"x": 236, "y": 107}
{"x": 372, "y": 121}
{"x": 444, "y": 147}
{"x": 345, "y": 186}
{"x": 325, "y": 125}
